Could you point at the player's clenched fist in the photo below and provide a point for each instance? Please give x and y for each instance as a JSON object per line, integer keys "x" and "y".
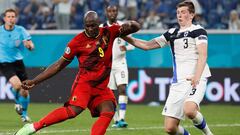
{"x": 129, "y": 27}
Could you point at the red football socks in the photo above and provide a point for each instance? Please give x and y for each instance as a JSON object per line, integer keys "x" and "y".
{"x": 56, "y": 116}
{"x": 64, "y": 113}
{"x": 100, "y": 126}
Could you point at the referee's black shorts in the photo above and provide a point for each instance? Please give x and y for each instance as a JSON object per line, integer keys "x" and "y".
{"x": 14, "y": 68}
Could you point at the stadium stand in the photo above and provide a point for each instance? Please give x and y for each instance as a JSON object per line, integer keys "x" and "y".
{"x": 40, "y": 14}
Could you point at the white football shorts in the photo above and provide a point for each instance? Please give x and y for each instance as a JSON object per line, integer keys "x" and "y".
{"x": 180, "y": 93}
{"x": 118, "y": 76}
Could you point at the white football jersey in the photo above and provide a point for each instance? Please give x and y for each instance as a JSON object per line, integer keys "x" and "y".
{"x": 119, "y": 57}
{"x": 183, "y": 45}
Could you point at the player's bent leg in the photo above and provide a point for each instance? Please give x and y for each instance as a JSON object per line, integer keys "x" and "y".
{"x": 22, "y": 98}
{"x": 56, "y": 116}
{"x": 191, "y": 111}
{"x": 16, "y": 87}
{"x": 106, "y": 110}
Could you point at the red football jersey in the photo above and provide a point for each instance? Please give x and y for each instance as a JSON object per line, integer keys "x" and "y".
{"x": 94, "y": 55}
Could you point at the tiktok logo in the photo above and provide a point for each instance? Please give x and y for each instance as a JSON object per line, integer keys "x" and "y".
{"x": 136, "y": 90}
{"x": 5, "y": 91}
{"x": 151, "y": 87}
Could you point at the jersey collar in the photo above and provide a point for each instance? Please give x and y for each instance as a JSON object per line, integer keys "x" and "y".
{"x": 108, "y": 23}
{"x": 8, "y": 30}
{"x": 91, "y": 37}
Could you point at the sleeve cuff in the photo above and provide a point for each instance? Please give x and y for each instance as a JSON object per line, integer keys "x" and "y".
{"x": 66, "y": 58}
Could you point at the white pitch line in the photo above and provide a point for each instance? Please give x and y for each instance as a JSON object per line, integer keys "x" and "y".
{"x": 115, "y": 129}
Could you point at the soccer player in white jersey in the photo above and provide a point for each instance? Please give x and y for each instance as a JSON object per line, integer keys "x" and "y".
{"x": 119, "y": 73}
{"x": 190, "y": 70}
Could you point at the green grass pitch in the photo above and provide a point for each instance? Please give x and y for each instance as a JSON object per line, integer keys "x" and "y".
{"x": 142, "y": 119}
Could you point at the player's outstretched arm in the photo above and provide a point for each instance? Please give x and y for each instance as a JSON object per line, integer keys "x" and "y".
{"x": 48, "y": 73}
{"x": 142, "y": 44}
{"x": 129, "y": 28}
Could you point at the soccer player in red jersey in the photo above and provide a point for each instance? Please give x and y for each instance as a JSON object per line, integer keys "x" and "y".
{"x": 93, "y": 49}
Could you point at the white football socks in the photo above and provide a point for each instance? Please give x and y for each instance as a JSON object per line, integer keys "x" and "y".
{"x": 201, "y": 124}
{"x": 182, "y": 131}
{"x": 122, "y": 102}
{"x": 115, "y": 117}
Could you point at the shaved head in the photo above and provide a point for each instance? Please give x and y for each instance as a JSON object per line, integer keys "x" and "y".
{"x": 91, "y": 23}
{"x": 91, "y": 16}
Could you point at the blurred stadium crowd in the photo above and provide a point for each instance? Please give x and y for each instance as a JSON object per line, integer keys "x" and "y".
{"x": 152, "y": 14}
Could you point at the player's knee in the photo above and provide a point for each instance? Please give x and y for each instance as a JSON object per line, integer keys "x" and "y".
{"x": 190, "y": 113}
{"x": 122, "y": 90}
{"x": 16, "y": 86}
{"x": 73, "y": 111}
{"x": 107, "y": 114}
{"x": 190, "y": 109}
{"x": 15, "y": 82}
{"x": 171, "y": 130}
{"x": 106, "y": 106}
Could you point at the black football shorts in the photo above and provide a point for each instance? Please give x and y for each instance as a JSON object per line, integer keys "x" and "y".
{"x": 15, "y": 68}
